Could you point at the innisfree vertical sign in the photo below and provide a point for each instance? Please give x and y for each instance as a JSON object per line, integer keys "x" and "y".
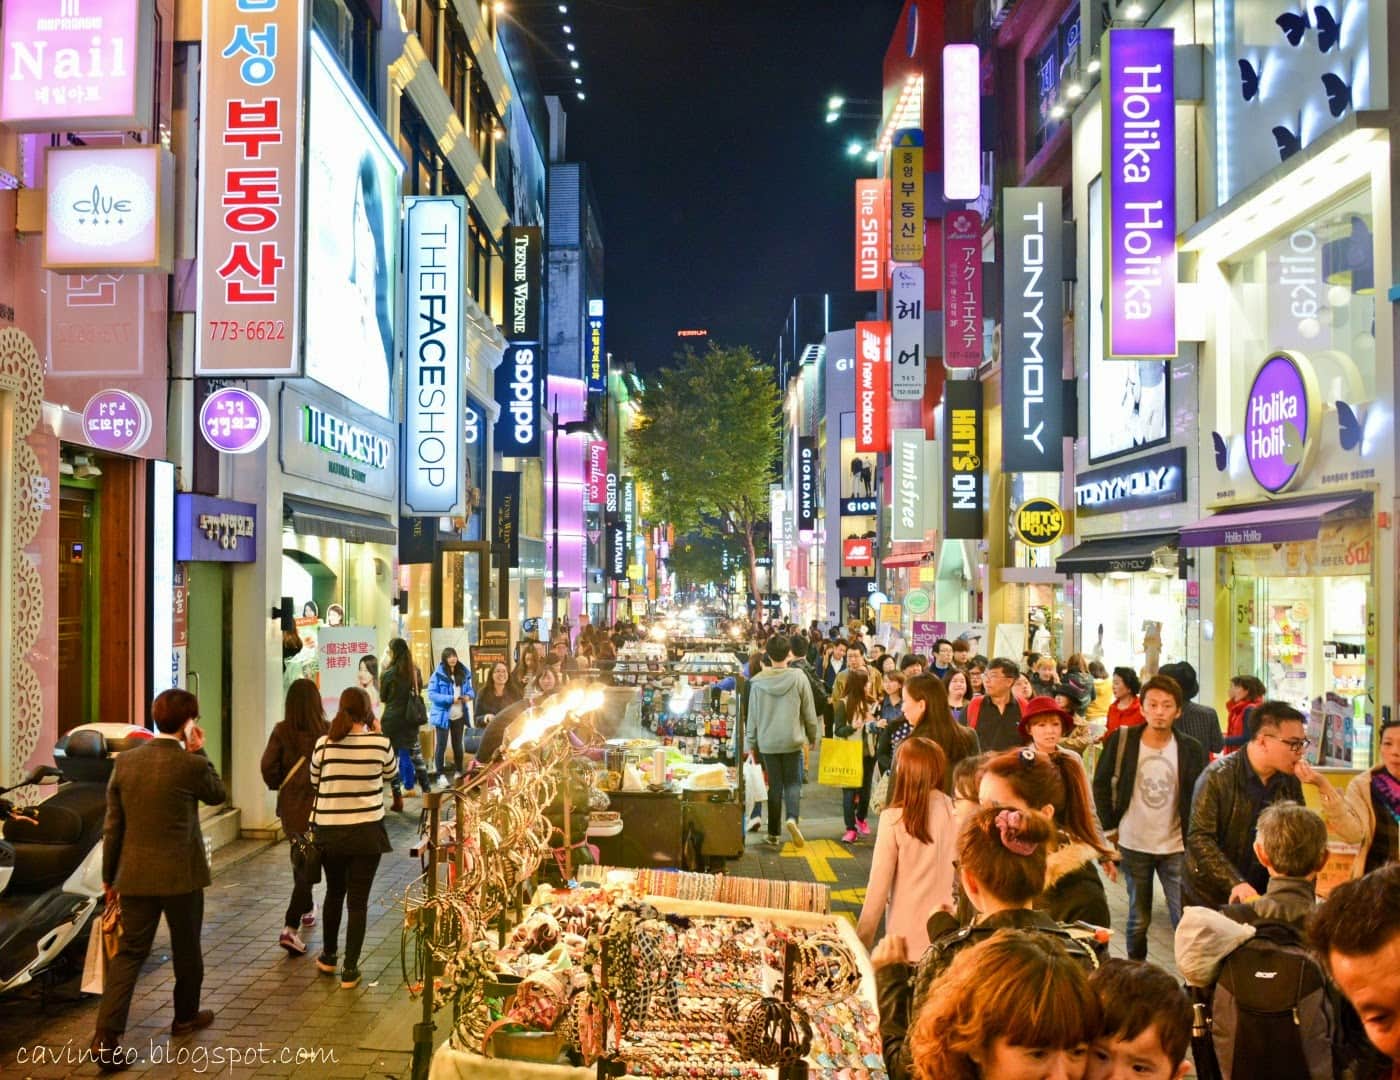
{"x": 1139, "y": 194}
{"x": 1282, "y": 414}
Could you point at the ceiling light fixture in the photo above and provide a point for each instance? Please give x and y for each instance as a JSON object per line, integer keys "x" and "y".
{"x": 569, "y": 45}
{"x": 835, "y": 103}
{"x": 854, "y": 147}
{"x": 573, "y": 64}
{"x": 580, "y": 95}
{"x": 568, "y": 29}
{"x": 832, "y": 117}
{"x": 1133, "y": 11}
{"x": 872, "y": 155}
{"x": 578, "y": 81}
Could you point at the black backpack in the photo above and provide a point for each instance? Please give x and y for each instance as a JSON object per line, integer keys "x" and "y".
{"x": 1272, "y": 1012}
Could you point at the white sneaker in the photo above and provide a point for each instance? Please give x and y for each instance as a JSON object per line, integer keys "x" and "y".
{"x": 793, "y": 831}
{"x": 755, "y": 824}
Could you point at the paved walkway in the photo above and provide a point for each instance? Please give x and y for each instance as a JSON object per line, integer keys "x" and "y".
{"x": 270, "y": 1006}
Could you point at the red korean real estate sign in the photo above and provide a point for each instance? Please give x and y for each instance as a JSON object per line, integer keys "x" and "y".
{"x": 872, "y": 234}
{"x": 962, "y": 289}
{"x": 872, "y": 387}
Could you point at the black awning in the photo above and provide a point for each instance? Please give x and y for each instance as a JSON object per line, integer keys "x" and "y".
{"x": 1115, "y": 554}
{"x": 317, "y": 519}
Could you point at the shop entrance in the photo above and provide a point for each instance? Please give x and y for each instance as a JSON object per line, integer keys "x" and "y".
{"x": 78, "y": 599}
{"x": 208, "y": 675}
{"x": 448, "y": 593}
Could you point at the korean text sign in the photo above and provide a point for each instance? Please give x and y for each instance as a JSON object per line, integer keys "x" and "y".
{"x": 1140, "y": 194}
{"x": 907, "y": 196}
{"x": 907, "y": 333}
{"x": 252, "y": 89}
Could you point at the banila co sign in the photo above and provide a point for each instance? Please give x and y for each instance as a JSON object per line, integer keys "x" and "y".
{"x": 108, "y": 208}
{"x": 433, "y": 244}
{"x": 76, "y": 65}
{"x": 1282, "y": 415}
{"x": 1155, "y": 480}
{"x": 1139, "y": 194}
{"x": 806, "y": 483}
{"x": 1032, "y": 381}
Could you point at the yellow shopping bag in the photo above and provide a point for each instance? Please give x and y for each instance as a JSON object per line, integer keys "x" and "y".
{"x": 841, "y": 763}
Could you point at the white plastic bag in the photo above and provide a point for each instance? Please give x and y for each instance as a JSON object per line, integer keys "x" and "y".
{"x": 755, "y": 787}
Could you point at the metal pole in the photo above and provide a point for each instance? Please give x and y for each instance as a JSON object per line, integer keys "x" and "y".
{"x": 423, "y": 1030}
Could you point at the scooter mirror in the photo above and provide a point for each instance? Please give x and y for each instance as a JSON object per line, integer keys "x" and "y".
{"x": 46, "y": 773}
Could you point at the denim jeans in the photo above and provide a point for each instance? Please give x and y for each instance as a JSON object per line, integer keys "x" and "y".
{"x": 1138, "y": 868}
{"x": 855, "y": 801}
{"x": 784, "y": 786}
{"x": 452, "y": 733}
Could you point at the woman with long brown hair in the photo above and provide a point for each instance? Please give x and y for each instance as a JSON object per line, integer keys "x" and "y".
{"x": 911, "y": 874}
{"x": 349, "y": 767}
{"x": 284, "y": 770}
{"x": 926, "y": 712}
{"x": 855, "y": 719}
{"x": 1055, "y": 785}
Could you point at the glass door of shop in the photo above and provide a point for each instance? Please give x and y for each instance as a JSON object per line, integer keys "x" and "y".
{"x": 448, "y": 594}
{"x": 77, "y": 606}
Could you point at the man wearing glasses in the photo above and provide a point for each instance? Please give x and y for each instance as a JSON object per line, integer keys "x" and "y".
{"x": 1221, "y": 866}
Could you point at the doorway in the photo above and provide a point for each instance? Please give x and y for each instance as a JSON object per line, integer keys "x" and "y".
{"x": 78, "y": 600}
{"x": 209, "y": 670}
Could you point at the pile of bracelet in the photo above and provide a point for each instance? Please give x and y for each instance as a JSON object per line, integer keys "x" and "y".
{"x": 845, "y": 1039}
{"x": 804, "y": 896}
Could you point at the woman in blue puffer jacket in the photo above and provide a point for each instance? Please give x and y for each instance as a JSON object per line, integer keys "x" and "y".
{"x": 449, "y": 692}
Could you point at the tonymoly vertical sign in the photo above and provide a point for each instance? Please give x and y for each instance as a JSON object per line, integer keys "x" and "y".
{"x": 1032, "y": 386}
{"x": 1139, "y": 118}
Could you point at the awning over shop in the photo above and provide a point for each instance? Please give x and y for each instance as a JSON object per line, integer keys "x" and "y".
{"x": 917, "y": 556}
{"x": 314, "y": 519}
{"x": 1275, "y": 523}
{"x": 1115, "y": 554}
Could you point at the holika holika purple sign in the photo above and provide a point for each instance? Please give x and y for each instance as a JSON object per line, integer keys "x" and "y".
{"x": 1280, "y": 421}
{"x": 1140, "y": 194}
{"x": 234, "y": 421}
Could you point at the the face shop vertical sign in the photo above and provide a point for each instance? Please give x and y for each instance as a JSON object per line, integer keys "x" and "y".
{"x": 1032, "y": 388}
{"x": 806, "y": 483}
{"x": 520, "y": 378}
{"x": 1140, "y": 194}
{"x": 963, "y": 452}
{"x": 434, "y": 234}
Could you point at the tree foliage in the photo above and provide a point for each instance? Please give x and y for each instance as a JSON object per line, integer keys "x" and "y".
{"x": 708, "y": 442}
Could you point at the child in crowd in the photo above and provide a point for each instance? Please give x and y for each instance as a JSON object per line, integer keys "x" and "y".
{"x": 1146, "y": 1028}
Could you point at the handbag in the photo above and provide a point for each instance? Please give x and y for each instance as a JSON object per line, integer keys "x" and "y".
{"x": 415, "y": 710}
{"x": 842, "y": 763}
{"x": 306, "y": 851}
{"x": 104, "y": 939}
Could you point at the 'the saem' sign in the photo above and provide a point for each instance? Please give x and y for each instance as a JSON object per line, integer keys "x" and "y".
{"x": 434, "y": 243}
{"x": 1156, "y": 480}
{"x": 907, "y": 333}
{"x": 108, "y": 208}
{"x": 1282, "y": 416}
{"x": 76, "y": 65}
{"x": 1032, "y": 389}
{"x": 907, "y": 196}
{"x": 872, "y": 234}
{"x": 872, "y": 387}
{"x": 963, "y": 472}
{"x": 908, "y": 482}
{"x": 1139, "y": 193}
{"x": 962, "y": 123}
{"x": 597, "y": 358}
{"x": 806, "y": 483}
{"x": 962, "y": 289}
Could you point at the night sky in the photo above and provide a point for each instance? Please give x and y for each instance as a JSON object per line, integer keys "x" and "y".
{"x": 722, "y": 189}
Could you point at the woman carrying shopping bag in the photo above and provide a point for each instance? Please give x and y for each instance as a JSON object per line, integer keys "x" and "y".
{"x": 855, "y": 720}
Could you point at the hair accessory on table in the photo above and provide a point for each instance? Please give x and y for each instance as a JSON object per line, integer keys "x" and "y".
{"x": 1009, "y": 825}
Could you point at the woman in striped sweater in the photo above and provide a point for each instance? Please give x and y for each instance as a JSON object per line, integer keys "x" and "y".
{"x": 349, "y": 767}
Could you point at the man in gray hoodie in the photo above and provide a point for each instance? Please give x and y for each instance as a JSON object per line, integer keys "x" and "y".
{"x": 782, "y": 718}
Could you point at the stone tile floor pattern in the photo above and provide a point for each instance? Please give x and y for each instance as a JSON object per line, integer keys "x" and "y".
{"x": 271, "y": 1003}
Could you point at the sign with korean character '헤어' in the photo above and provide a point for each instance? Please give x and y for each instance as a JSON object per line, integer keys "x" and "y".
{"x": 252, "y": 89}
{"x": 907, "y": 196}
{"x": 907, "y": 333}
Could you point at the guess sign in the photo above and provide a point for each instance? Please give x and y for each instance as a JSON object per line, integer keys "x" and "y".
{"x": 1281, "y": 420}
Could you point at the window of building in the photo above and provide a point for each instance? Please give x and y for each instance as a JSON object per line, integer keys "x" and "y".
{"x": 424, "y": 18}
{"x": 348, "y": 28}
{"x": 457, "y": 68}
{"x": 1048, "y": 64}
{"x": 419, "y": 150}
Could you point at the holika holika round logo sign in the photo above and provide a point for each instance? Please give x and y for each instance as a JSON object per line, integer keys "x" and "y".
{"x": 1039, "y": 522}
{"x": 1281, "y": 420}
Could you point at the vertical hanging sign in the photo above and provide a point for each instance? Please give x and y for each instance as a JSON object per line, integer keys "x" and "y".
{"x": 872, "y": 387}
{"x": 597, "y": 358}
{"x": 520, "y": 378}
{"x": 1139, "y": 194}
{"x": 907, "y": 333}
{"x": 907, "y": 460}
{"x": 962, "y": 119}
{"x": 1032, "y": 356}
{"x": 907, "y": 190}
{"x": 962, "y": 289}
{"x": 872, "y": 234}
{"x": 806, "y": 483}
{"x": 434, "y": 244}
{"x": 962, "y": 477}
{"x": 597, "y": 472}
{"x": 253, "y": 83}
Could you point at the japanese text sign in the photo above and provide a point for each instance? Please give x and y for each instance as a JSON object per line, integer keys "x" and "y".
{"x": 962, "y": 118}
{"x": 962, "y": 289}
{"x": 253, "y": 84}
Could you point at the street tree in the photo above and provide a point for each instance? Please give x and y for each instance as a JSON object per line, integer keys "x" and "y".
{"x": 707, "y": 445}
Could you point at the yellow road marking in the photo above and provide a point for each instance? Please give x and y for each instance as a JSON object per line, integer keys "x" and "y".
{"x": 818, "y": 854}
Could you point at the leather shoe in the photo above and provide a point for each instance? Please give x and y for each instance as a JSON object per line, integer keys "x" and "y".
{"x": 109, "y": 1056}
{"x": 201, "y": 1019}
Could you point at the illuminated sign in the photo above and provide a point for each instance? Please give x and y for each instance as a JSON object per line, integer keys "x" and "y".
{"x": 117, "y": 421}
{"x": 692, "y": 333}
{"x": 1139, "y": 118}
{"x": 597, "y": 472}
{"x": 962, "y": 289}
{"x": 434, "y": 237}
{"x": 964, "y": 452}
{"x": 907, "y": 196}
{"x": 872, "y": 387}
{"x": 1032, "y": 379}
{"x": 1039, "y": 522}
{"x": 523, "y": 245}
{"x": 520, "y": 377}
{"x": 863, "y": 507}
{"x": 909, "y": 519}
{"x": 1156, "y": 480}
{"x": 505, "y": 517}
{"x": 215, "y": 530}
{"x": 234, "y": 421}
{"x": 872, "y": 235}
{"x": 806, "y": 483}
{"x": 160, "y": 575}
{"x": 76, "y": 65}
{"x": 962, "y": 123}
{"x": 108, "y": 208}
{"x": 597, "y": 358}
{"x": 248, "y": 304}
{"x": 321, "y": 444}
{"x": 859, "y": 552}
{"x": 907, "y": 333}
{"x": 1282, "y": 416}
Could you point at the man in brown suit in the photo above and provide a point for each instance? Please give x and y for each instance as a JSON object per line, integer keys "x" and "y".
{"x": 153, "y": 858}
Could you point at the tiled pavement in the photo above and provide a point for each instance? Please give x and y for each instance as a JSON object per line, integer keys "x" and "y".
{"x": 269, "y": 1004}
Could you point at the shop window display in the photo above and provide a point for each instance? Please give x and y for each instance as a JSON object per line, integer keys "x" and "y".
{"x": 1136, "y": 620}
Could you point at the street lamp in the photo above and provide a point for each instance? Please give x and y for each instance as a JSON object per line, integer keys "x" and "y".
{"x": 571, "y": 427}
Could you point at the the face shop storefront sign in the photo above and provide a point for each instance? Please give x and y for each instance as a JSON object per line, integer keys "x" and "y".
{"x": 322, "y": 443}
